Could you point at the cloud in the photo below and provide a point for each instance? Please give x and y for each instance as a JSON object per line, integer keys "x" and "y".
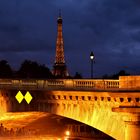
{"x": 109, "y": 28}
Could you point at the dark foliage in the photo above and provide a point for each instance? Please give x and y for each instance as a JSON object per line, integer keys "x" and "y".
{"x": 5, "y": 69}
{"x": 116, "y": 76}
{"x": 31, "y": 69}
{"x": 77, "y": 76}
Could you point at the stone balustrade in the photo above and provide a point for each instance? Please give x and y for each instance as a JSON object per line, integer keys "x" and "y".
{"x": 124, "y": 82}
{"x": 98, "y": 83}
{"x": 60, "y": 83}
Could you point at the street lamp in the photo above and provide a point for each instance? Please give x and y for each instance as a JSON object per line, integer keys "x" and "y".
{"x": 91, "y": 58}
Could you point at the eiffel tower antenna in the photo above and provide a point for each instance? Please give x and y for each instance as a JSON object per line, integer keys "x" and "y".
{"x": 59, "y": 12}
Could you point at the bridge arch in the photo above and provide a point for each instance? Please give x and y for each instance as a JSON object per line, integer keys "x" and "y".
{"x": 91, "y": 108}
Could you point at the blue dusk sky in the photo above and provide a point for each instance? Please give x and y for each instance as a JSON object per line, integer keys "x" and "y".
{"x": 109, "y": 28}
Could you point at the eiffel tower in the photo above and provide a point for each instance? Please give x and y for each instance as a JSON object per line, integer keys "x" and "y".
{"x": 60, "y": 68}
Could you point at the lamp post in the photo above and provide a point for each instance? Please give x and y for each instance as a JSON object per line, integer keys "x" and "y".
{"x": 91, "y": 58}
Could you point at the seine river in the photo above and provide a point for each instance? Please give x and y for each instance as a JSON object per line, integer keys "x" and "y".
{"x": 33, "y": 138}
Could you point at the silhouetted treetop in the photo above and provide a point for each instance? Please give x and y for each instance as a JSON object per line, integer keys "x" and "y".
{"x": 5, "y": 69}
{"x": 77, "y": 76}
{"x": 31, "y": 69}
{"x": 116, "y": 76}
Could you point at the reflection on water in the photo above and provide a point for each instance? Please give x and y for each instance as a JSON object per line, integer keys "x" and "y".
{"x": 32, "y": 138}
{"x": 20, "y": 119}
{"x": 27, "y": 126}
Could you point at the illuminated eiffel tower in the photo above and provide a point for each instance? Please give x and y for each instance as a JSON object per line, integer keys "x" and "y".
{"x": 60, "y": 68}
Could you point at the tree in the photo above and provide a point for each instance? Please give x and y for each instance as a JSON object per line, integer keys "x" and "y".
{"x": 44, "y": 72}
{"x": 31, "y": 69}
{"x": 5, "y": 69}
{"x": 116, "y": 76}
{"x": 120, "y": 73}
{"x": 77, "y": 76}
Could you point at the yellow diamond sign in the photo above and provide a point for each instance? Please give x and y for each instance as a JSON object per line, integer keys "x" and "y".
{"x": 28, "y": 97}
{"x": 19, "y": 97}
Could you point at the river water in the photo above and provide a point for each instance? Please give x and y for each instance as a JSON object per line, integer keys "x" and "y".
{"x": 30, "y": 126}
{"x": 47, "y": 137}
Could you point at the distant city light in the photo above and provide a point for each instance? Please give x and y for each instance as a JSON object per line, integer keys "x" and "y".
{"x": 67, "y": 133}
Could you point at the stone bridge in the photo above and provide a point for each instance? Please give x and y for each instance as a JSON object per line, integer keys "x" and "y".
{"x": 111, "y": 106}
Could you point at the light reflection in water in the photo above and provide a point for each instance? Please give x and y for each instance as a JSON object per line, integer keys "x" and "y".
{"x": 23, "y": 119}
{"x": 20, "y": 119}
{"x": 32, "y": 138}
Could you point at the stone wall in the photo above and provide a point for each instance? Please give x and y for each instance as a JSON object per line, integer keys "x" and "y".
{"x": 128, "y": 82}
{"x": 3, "y": 102}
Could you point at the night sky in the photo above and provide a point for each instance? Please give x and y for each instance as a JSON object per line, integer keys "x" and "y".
{"x": 109, "y": 28}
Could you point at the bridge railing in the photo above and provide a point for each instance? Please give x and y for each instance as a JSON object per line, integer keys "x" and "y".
{"x": 60, "y": 83}
{"x": 99, "y": 84}
{"x": 56, "y": 83}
